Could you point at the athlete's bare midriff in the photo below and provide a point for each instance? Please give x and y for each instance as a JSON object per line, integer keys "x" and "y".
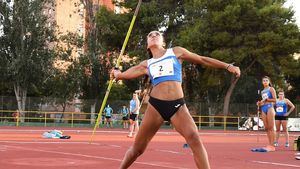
{"x": 169, "y": 90}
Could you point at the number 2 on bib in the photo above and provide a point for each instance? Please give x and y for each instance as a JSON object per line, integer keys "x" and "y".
{"x": 162, "y": 68}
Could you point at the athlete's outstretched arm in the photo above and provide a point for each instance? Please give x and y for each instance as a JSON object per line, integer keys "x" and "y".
{"x": 131, "y": 73}
{"x": 184, "y": 54}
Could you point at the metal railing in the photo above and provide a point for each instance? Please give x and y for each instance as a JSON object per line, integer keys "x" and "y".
{"x": 45, "y": 117}
{"x": 71, "y": 119}
{"x": 217, "y": 121}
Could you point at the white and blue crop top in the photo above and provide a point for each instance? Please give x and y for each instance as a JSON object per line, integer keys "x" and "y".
{"x": 165, "y": 68}
{"x": 266, "y": 94}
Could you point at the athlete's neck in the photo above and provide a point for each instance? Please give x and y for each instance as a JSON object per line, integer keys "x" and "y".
{"x": 157, "y": 52}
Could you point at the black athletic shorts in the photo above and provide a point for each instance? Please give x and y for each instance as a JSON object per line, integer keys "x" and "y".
{"x": 133, "y": 117}
{"x": 166, "y": 108}
{"x": 281, "y": 118}
{"x": 125, "y": 118}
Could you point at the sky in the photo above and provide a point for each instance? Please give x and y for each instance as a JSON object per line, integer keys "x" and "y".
{"x": 296, "y": 7}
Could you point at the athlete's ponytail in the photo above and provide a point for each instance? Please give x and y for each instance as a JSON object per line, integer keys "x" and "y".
{"x": 150, "y": 55}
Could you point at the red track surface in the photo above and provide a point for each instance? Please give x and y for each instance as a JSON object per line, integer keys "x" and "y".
{"x": 23, "y": 147}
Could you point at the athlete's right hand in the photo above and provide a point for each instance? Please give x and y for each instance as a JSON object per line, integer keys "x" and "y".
{"x": 259, "y": 103}
{"x": 115, "y": 73}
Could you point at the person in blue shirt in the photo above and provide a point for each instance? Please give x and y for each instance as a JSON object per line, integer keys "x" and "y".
{"x": 134, "y": 113}
{"x": 108, "y": 113}
{"x": 266, "y": 107}
{"x": 166, "y": 102}
{"x": 282, "y": 112}
{"x": 125, "y": 113}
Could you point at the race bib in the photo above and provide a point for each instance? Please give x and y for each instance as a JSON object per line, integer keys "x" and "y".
{"x": 279, "y": 109}
{"x": 162, "y": 68}
{"x": 264, "y": 96}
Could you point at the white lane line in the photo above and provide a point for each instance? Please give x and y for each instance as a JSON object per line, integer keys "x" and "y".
{"x": 56, "y": 142}
{"x": 3, "y": 148}
{"x": 159, "y": 132}
{"x": 169, "y": 151}
{"x": 277, "y": 164}
{"x": 125, "y": 132}
{"x": 95, "y": 157}
{"x": 45, "y": 142}
{"x": 85, "y": 143}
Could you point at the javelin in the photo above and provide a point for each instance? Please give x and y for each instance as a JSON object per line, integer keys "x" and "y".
{"x": 117, "y": 65}
{"x": 258, "y": 110}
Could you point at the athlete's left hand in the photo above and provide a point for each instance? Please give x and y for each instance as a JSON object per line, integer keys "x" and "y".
{"x": 235, "y": 70}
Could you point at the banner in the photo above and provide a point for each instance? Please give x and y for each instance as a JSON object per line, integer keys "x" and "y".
{"x": 250, "y": 123}
{"x": 293, "y": 124}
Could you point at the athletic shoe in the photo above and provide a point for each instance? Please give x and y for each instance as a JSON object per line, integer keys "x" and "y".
{"x": 287, "y": 144}
{"x": 186, "y": 145}
{"x": 276, "y": 144}
{"x": 65, "y": 137}
{"x": 297, "y": 157}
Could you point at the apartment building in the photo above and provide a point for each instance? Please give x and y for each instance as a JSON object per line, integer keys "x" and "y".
{"x": 70, "y": 16}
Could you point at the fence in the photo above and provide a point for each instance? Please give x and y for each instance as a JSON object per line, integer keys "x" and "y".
{"x": 90, "y": 106}
{"x": 73, "y": 119}
{"x": 48, "y": 112}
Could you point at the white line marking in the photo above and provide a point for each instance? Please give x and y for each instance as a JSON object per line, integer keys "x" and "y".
{"x": 46, "y": 142}
{"x": 119, "y": 131}
{"x": 86, "y": 143}
{"x": 55, "y": 142}
{"x": 278, "y": 164}
{"x": 91, "y": 156}
{"x": 159, "y": 132}
{"x": 168, "y": 151}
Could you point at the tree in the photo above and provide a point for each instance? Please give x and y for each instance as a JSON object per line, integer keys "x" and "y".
{"x": 95, "y": 60}
{"x": 256, "y": 35}
{"x": 292, "y": 82}
{"x": 25, "y": 45}
{"x": 153, "y": 15}
{"x": 64, "y": 83}
{"x": 249, "y": 33}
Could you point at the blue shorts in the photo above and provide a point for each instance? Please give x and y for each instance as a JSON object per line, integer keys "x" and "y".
{"x": 264, "y": 108}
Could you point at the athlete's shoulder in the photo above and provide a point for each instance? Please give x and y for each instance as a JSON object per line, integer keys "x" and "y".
{"x": 144, "y": 63}
{"x": 179, "y": 50}
{"x": 272, "y": 89}
{"x": 286, "y": 100}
